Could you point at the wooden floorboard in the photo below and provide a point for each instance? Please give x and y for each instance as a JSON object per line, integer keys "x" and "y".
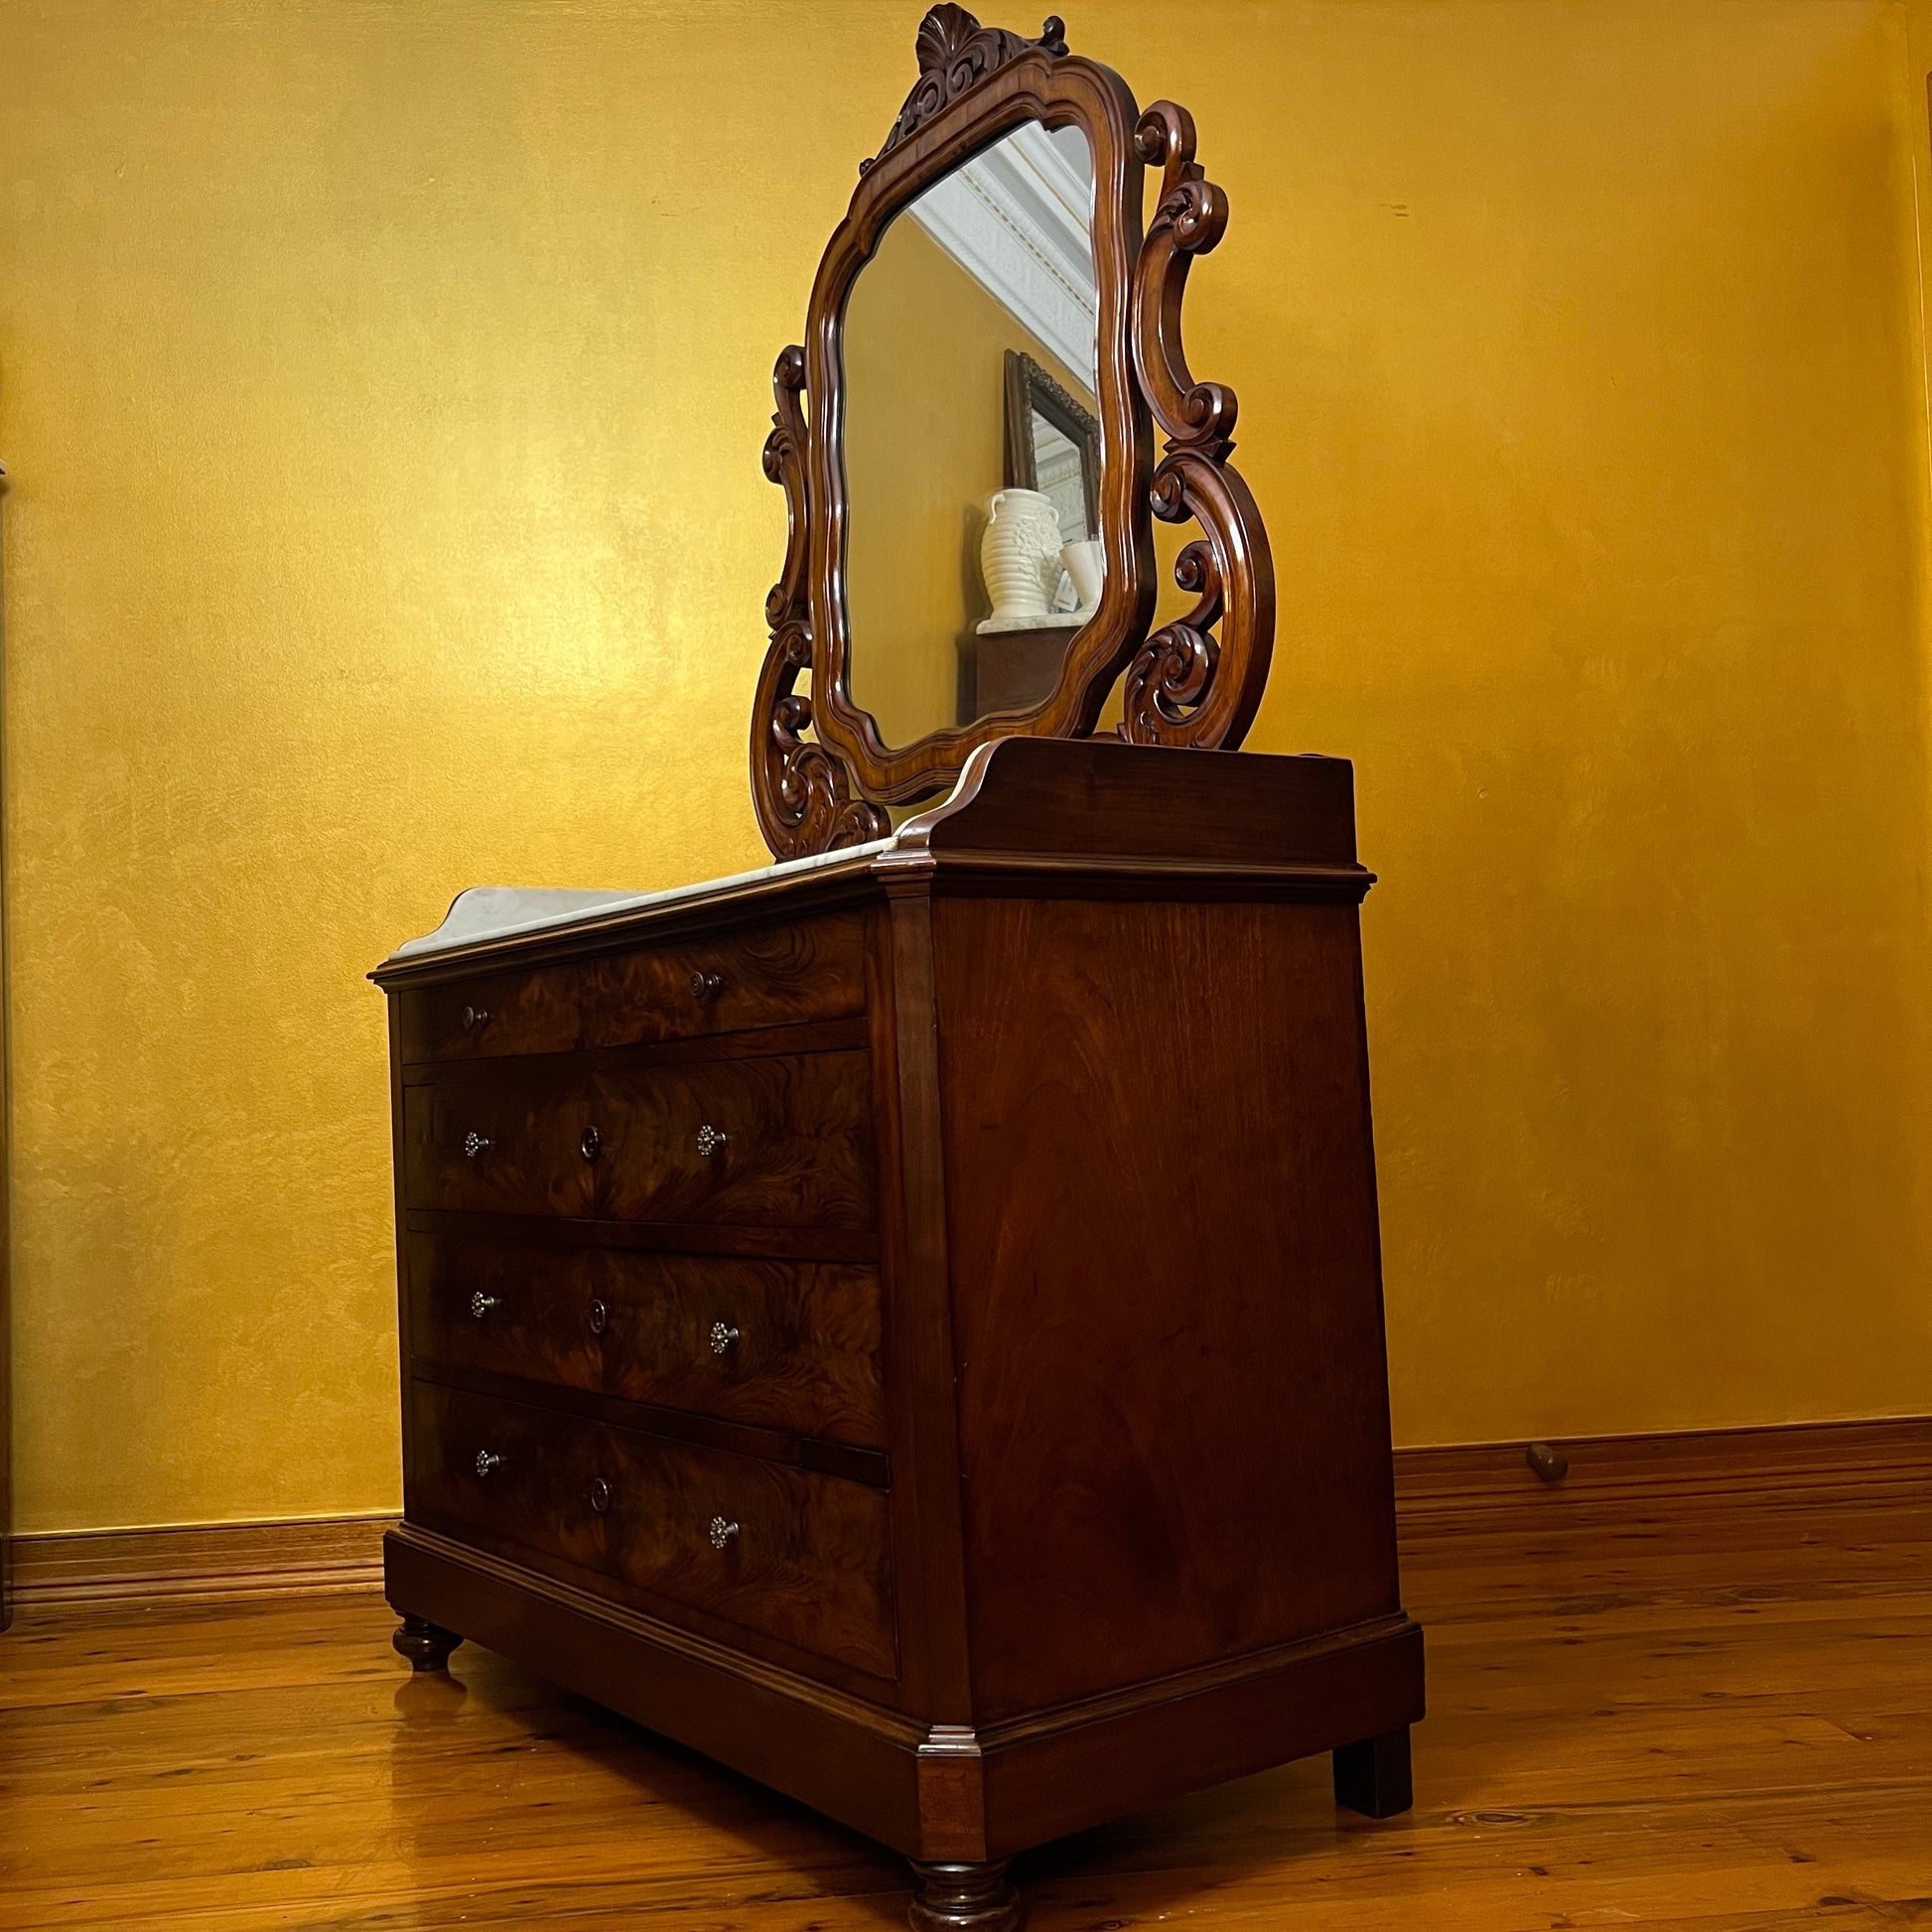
{"x": 1659, "y": 1712}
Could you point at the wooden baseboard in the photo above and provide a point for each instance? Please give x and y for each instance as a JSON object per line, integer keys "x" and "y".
{"x": 1438, "y": 1491}
{"x": 199, "y": 1563}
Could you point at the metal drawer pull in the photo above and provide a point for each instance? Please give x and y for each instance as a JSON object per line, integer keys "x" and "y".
{"x": 707, "y": 985}
{"x": 710, "y": 1140}
{"x": 482, "y": 1304}
{"x": 722, "y": 1532}
{"x": 591, "y": 1144}
{"x": 475, "y": 1019}
{"x": 600, "y": 1495}
{"x": 724, "y": 1337}
{"x": 600, "y": 1317}
{"x": 486, "y": 1463}
{"x": 474, "y": 1143}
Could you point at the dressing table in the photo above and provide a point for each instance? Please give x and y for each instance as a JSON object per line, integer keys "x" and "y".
{"x": 906, "y": 1321}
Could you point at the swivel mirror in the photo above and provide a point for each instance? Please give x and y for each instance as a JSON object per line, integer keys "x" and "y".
{"x": 966, "y": 444}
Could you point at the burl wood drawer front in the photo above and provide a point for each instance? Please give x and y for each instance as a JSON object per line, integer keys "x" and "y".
{"x": 769, "y": 976}
{"x": 784, "y": 1141}
{"x": 791, "y": 1345}
{"x": 544, "y": 1012}
{"x": 800, "y": 1558}
{"x": 505, "y": 1139}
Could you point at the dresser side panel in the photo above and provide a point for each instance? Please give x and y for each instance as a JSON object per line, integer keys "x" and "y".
{"x": 1171, "y": 1381}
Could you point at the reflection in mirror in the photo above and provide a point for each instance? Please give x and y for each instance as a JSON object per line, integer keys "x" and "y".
{"x": 971, "y": 440}
{"x": 1052, "y": 446}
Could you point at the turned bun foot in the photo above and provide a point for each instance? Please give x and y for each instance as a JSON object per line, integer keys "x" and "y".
{"x": 965, "y": 1898}
{"x": 427, "y": 1645}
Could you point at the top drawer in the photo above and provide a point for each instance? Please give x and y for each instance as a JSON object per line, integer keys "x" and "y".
{"x": 767, "y": 976}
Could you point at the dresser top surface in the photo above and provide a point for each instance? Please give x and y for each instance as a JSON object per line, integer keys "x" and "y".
{"x": 1029, "y": 813}
{"x": 492, "y": 912}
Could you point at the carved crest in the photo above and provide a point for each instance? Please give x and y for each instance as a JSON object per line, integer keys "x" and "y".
{"x": 956, "y": 54}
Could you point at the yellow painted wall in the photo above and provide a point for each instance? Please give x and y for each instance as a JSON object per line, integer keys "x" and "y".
{"x": 383, "y": 384}
{"x": 924, "y": 449}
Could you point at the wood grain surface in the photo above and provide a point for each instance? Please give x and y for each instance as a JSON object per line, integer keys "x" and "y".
{"x": 782, "y": 1344}
{"x": 796, "y": 1146}
{"x": 1174, "y": 1410}
{"x": 808, "y": 1556}
{"x": 723, "y": 982}
{"x": 1710, "y": 1717}
{"x": 200, "y": 1563}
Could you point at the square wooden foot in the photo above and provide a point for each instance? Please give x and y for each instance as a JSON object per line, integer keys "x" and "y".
{"x": 1373, "y": 1776}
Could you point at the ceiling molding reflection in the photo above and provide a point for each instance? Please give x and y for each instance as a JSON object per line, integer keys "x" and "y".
{"x": 1018, "y": 220}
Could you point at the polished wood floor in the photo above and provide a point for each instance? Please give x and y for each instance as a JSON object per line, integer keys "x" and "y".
{"x": 1724, "y": 1723}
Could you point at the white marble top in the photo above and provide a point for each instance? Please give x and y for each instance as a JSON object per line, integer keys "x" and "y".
{"x": 1053, "y": 621}
{"x": 498, "y": 912}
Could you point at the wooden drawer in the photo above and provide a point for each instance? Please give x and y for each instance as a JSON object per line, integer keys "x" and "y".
{"x": 767, "y": 976}
{"x": 545, "y": 1011}
{"x": 780, "y": 1141}
{"x": 505, "y": 1139}
{"x": 783, "y": 1345}
{"x": 800, "y": 1558}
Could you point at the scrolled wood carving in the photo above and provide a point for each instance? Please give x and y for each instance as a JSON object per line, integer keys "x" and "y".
{"x": 801, "y": 793}
{"x": 821, "y": 773}
{"x": 1186, "y": 685}
{"x": 955, "y": 54}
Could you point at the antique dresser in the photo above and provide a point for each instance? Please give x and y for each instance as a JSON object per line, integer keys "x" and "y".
{"x": 907, "y": 1321}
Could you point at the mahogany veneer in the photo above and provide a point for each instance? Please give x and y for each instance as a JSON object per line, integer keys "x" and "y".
{"x": 936, "y": 1366}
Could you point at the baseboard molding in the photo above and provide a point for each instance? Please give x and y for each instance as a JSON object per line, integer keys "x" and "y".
{"x": 1487, "y": 1486}
{"x": 199, "y": 1563}
{"x": 1440, "y": 1489}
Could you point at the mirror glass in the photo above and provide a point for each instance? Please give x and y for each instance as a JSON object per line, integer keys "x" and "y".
{"x": 971, "y": 440}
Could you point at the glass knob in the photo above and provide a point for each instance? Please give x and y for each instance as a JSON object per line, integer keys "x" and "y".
{"x": 710, "y": 1140}
{"x": 474, "y": 1143}
{"x": 482, "y": 1304}
{"x": 590, "y": 1144}
{"x": 707, "y": 985}
{"x": 723, "y": 1338}
{"x": 475, "y": 1019}
{"x": 600, "y": 1495}
{"x": 600, "y": 1317}
{"x": 722, "y": 1532}
{"x": 486, "y": 1462}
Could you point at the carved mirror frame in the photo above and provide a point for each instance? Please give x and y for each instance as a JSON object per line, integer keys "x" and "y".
{"x": 1195, "y": 682}
{"x": 1030, "y": 391}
